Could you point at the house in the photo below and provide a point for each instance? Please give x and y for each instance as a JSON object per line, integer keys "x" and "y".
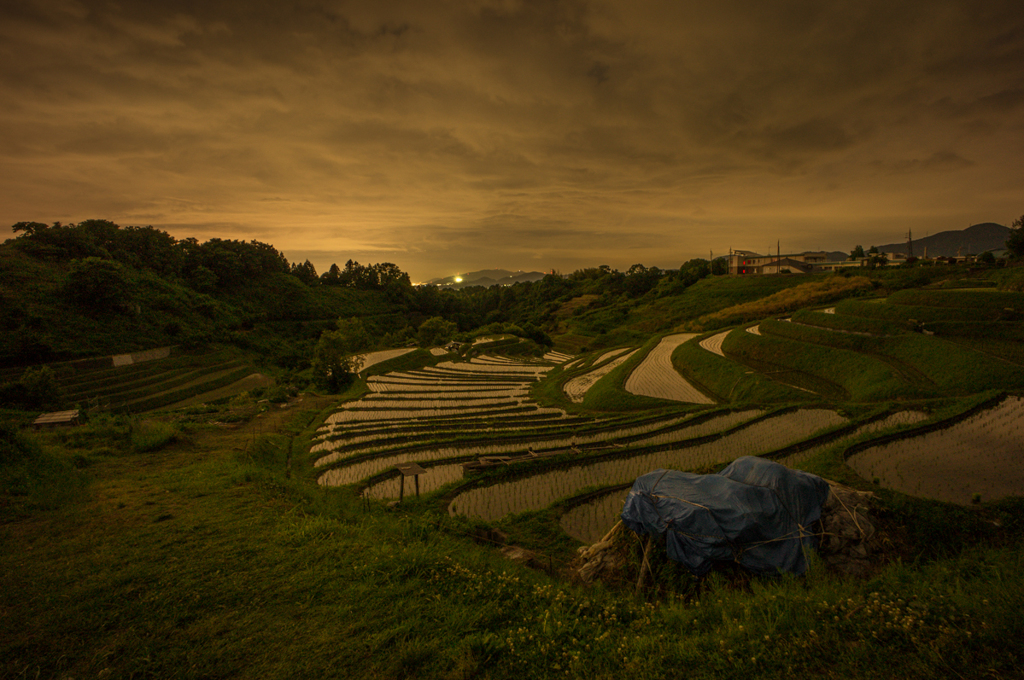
{"x": 745, "y": 262}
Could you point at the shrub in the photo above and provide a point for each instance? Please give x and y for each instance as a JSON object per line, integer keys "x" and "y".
{"x": 151, "y": 435}
{"x": 15, "y": 446}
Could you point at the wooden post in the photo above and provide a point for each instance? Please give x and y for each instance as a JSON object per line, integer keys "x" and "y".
{"x": 409, "y": 470}
{"x": 644, "y": 565}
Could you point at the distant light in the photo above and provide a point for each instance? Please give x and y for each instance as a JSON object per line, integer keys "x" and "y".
{"x": 458, "y": 279}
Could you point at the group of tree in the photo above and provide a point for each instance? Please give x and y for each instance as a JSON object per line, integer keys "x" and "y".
{"x": 1015, "y": 240}
{"x": 217, "y": 264}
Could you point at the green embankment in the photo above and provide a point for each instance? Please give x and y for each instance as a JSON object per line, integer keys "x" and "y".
{"x": 920, "y": 314}
{"x": 850, "y": 324}
{"x": 729, "y": 381}
{"x": 815, "y": 291}
{"x": 211, "y": 554}
{"x": 835, "y": 374}
{"x": 932, "y": 364}
{"x": 988, "y": 299}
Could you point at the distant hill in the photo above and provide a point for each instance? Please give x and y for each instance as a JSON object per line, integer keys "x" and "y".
{"x": 970, "y": 241}
{"x": 487, "y": 278}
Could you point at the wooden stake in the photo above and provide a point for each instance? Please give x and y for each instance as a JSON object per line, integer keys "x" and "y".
{"x": 644, "y": 566}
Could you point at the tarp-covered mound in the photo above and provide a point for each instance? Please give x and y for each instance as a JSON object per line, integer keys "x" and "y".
{"x": 755, "y": 512}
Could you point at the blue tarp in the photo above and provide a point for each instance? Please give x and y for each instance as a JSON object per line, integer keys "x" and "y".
{"x": 755, "y": 512}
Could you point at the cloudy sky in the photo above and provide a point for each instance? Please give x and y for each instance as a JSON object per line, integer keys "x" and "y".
{"x": 456, "y": 135}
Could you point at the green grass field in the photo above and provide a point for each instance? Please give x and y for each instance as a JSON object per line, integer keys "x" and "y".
{"x": 184, "y": 535}
{"x": 213, "y": 555}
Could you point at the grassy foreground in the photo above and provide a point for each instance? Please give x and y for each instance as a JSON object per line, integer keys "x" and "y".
{"x": 196, "y": 547}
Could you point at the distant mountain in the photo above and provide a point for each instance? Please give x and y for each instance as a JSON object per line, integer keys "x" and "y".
{"x": 970, "y": 241}
{"x": 487, "y": 278}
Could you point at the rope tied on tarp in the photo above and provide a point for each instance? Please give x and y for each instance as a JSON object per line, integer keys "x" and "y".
{"x": 754, "y": 512}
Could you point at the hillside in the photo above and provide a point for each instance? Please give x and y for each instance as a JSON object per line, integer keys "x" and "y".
{"x": 96, "y": 289}
{"x": 973, "y": 240}
{"x": 485, "y": 278}
{"x": 207, "y": 521}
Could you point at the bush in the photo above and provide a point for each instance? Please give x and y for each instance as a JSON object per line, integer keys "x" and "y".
{"x": 15, "y": 446}
{"x": 435, "y": 331}
{"x": 36, "y": 390}
{"x": 151, "y": 435}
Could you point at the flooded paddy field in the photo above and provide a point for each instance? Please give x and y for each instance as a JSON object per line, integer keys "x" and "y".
{"x": 539, "y": 491}
{"x": 656, "y": 377}
{"x": 433, "y": 479}
{"x": 892, "y": 420}
{"x": 980, "y": 458}
{"x": 678, "y": 429}
{"x": 577, "y": 388}
{"x": 590, "y": 521}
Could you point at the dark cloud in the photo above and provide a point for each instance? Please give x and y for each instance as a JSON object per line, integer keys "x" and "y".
{"x": 532, "y": 130}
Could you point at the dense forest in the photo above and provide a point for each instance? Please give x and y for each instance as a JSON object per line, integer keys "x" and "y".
{"x": 73, "y": 290}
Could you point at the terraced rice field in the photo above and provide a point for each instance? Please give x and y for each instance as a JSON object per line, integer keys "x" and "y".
{"x": 138, "y": 383}
{"x": 595, "y": 436}
{"x": 577, "y": 388}
{"x": 419, "y": 403}
{"x": 539, "y": 491}
{"x": 557, "y": 357}
{"x": 433, "y": 479}
{"x": 374, "y": 358}
{"x": 897, "y": 419}
{"x": 980, "y": 455}
{"x": 714, "y": 343}
{"x": 656, "y": 377}
{"x": 590, "y": 521}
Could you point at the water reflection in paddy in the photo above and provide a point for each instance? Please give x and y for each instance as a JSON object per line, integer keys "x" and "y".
{"x": 539, "y": 491}
{"x": 591, "y": 521}
{"x": 360, "y": 470}
{"x": 431, "y": 480}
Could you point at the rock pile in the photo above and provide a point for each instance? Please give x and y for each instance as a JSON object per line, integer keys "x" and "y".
{"x": 848, "y": 536}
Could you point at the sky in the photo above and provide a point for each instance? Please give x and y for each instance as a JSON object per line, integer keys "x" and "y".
{"x": 453, "y": 136}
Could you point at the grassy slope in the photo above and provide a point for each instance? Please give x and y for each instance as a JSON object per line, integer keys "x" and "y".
{"x": 207, "y": 559}
{"x": 216, "y": 555}
{"x": 730, "y": 381}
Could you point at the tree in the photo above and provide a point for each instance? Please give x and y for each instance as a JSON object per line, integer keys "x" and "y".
{"x": 41, "y": 388}
{"x": 331, "y": 277}
{"x": 857, "y": 253}
{"x": 435, "y": 331}
{"x": 306, "y": 273}
{"x": 334, "y": 358}
{"x": 1015, "y": 239}
{"x": 36, "y": 390}
{"x": 30, "y": 228}
{"x": 98, "y": 285}
{"x": 987, "y": 257}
